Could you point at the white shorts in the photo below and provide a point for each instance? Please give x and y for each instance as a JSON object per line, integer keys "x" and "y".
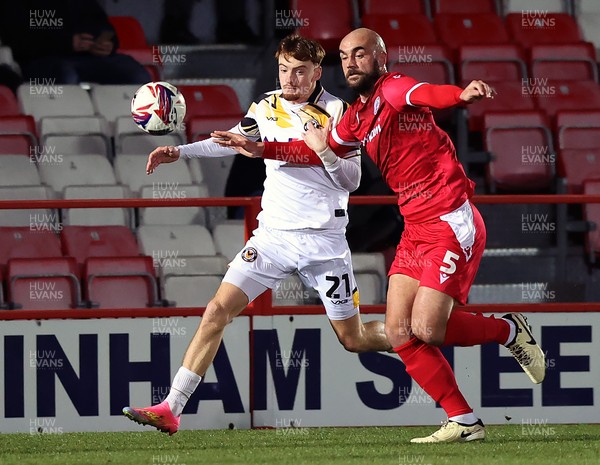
{"x": 321, "y": 259}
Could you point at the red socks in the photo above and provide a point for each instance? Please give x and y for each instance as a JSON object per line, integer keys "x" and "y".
{"x": 469, "y": 329}
{"x": 429, "y": 368}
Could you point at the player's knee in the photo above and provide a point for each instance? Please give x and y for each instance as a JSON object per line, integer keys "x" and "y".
{"x": 429, "y": 335}
{"x": 216, "y": 314}
{"x": 396, "y": 335}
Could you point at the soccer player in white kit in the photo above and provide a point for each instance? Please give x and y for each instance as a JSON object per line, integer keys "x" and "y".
{"x": 301, "y": 226}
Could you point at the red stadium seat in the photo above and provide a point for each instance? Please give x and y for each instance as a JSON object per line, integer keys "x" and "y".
{"x": 17, "y": 134}
{"x": 3, "y": 303}
{"x": 150, "y": 58}
{"x": 509, "y": 98}
{"x": 578, "y": 129}
{"x": 577, "y": 165}
{"x": 386, "y": 7}
{"x": 492, "y": 63}
{"x": 82, "y": 242}
{"x": 43, "y": 283}
{"x": 564, "y": 61}
{"x": 129, "y": 32}
{"x": 8, "y": 102}
{"x": 22, "y": 242}
{"x": 200, "y": 127}
{"x": 476, "y": 29}
{"x": 401, "y": 30}
{"x": 120, "y": 282}
{"x": 591, "y": 212}
{"x": 429, "y": 63}
{"x": 555, "y": 96}
{"x": 209, "y": 108}
{"x": 540, "y": 27}
{"x": 215, "y": 100}
{"x": 522, "y": 151}
{"x": 132, "y": 41}
{"x": 464, "y": 6}
{"x": 328, "y": 22}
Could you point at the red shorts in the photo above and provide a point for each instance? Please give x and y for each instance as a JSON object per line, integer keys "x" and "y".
{"x": 443, "y": 254}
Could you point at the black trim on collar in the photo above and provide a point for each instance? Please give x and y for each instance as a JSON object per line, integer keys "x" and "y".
{"x": 314, "y": 97}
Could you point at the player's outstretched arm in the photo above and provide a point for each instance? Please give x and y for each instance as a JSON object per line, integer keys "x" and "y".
{"x": 477, "y": 90}
{"x": 239, "y": 143}
{"x": 165, "y": 154}
{"x": 291, "y": 152}
{"x": 446, "y": 96}
{"x": 405, "y": 90}
{"x": 314, "y": 149}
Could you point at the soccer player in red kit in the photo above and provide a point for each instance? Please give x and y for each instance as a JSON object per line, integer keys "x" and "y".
{"x": 444, "y": 236}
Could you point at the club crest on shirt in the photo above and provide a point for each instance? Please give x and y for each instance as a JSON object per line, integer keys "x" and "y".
{"x": 314, "y": 122}
{"x": 249, "y": 254}
{"x": 376, "y": 104}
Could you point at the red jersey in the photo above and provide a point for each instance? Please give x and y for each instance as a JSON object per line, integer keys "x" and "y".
{"x": 417, "y": 159}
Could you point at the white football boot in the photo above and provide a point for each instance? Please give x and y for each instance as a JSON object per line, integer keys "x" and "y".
{"x": 452, "y": 431}
{"x": 525, "y": 350}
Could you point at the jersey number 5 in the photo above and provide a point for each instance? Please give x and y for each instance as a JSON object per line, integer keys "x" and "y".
{"x": 449, "y": 259}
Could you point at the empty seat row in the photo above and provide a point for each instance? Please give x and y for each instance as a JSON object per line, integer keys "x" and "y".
{"x": 457, "y": 22}
{"x": 92, "y": 176}
{"x": 550, "y": 97}
{"x": 526, "y": 157}
{"x": 105, "y": 282}
{"x": 58, "y": 283}
{"x": 166, "y": 244}
{"x": 100, "y": 256}
{"x": 464, "y": 22}
{"x": 82, "y": 242}
{"x": 101, "y": 266}
{"x": 466, "y": 6}
{"x": 61, "y": 171}
{"x": 498, "y": 62}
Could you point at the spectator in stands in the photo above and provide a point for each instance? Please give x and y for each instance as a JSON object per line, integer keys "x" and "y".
{"x": 69, "y": 41}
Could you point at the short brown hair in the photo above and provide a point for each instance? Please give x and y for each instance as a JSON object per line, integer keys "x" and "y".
{"x": 301, "y": 49}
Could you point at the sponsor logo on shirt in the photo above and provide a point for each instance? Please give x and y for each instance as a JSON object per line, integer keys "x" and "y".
{"x": 374, "y": 132}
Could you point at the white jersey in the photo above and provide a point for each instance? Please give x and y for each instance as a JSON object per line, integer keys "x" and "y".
{"x": 296, "y": 196}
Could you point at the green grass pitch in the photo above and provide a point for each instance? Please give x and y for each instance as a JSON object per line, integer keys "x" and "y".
{"x": 510, "y": 445}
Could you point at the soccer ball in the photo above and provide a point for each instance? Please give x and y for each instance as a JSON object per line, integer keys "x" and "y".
{"x": 158, "y": 108}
